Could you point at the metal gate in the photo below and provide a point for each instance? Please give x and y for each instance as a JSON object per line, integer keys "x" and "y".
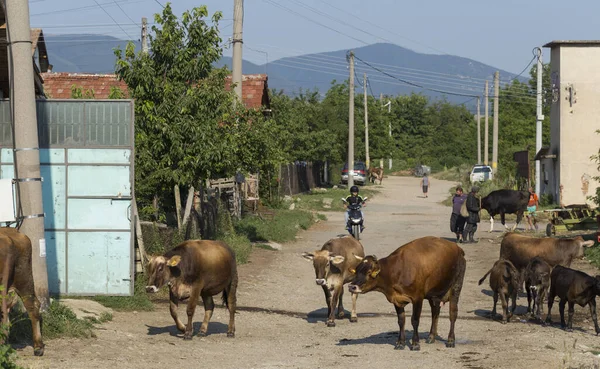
{"x": 87, "y": 163}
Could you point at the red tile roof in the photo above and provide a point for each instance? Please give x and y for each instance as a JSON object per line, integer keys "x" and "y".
{"x": 255, "y": 91}
{"x": 58, "y": 85}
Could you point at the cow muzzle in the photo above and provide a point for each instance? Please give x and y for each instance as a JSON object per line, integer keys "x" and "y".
{"x": 151, "y": 289}
{"x": 320, "y": 282}
{"x": 354, "y": 288}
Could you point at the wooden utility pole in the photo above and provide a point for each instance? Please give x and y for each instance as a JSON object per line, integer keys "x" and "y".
{"x": 478, "y": 130}
{"x": 486, "y": 137}
{"x": 495, "y": 133}
{"x": 27, "y": 153}
{"x": 539, "y": 120}
{"x": 351, "y": 122}
{"x": 145, "y": 35}
{"x": 368, "y": 161}
{"x": 236, "y": 64}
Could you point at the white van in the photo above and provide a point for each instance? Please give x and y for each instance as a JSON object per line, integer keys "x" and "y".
{"x": 481, "y": 173}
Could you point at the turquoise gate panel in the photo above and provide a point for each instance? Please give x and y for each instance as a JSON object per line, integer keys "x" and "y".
{"x": 86, "y": 156}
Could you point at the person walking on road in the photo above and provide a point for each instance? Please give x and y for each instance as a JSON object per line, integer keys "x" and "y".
{"x": 531, "y": 208}
{"x": 457, "y": 221}
{"x": 425, "y": 184}
{"x": 473, "y": 207}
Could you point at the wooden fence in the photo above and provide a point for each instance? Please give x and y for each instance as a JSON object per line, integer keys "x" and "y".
{"x": 300, "y": 177}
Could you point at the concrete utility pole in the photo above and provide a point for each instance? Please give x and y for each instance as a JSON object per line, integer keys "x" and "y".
{"x": 389, "y": 105}
{"x": 236, "y": 64}
{"x": 486, "y": 138}
{"x": 539, "y": 120}
{"x": 351, "y": 123}
{"x": 368, "y": 161}
{"x": 27, "y": 154}
{"x": 495, "y": 133}
{"x": 145, "y": 35}
{"x": 478, "y": 130}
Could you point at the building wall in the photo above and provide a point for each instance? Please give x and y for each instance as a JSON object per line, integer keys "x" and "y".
{"x": 550, "y": 165}
{"x": 578, "y": 121}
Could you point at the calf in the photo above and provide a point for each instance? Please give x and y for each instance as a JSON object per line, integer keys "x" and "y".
{"x": 196, "y": 269}
{"x": 573, "y": 286}
{"x": 505, "y": 202}
{"x": 537, "y": 281}
{"x": 504, "y": 281}
{"x": 376, "y": 174}
{"x": 427, "y": 268}
{"x": 332, "y": 264}
{"x": 17, "y": 275}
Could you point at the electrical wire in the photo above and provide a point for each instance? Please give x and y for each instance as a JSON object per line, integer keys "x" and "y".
{"x": 113, "y": 19}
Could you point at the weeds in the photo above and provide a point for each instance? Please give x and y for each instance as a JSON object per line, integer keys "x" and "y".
{"x": 283, "y": 228}
{"x": 327, "y": 199}
{"x": 139, "y": 300}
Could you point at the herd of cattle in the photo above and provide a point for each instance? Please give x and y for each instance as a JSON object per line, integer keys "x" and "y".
{"x": 428, "y": 268}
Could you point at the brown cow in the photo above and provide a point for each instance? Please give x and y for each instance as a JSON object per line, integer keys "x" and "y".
{"x": 427, "y": 268}
{"x": 504, "y": 281}
{"x": 537, "y": 282}
{"x": 555, "y": 251}
{"x": 17, "y": 275}
{"x": 376, "y": 174}
{"x": 196, "y": 269}
{"x": 332, "y": 270}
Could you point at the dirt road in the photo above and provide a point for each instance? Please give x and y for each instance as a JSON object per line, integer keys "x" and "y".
{"x": 281, "y": 319}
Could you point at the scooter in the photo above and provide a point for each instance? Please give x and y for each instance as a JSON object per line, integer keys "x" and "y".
{"x": 355, "y": 219}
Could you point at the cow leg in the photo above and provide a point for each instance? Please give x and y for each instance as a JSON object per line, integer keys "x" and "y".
{"x": 551, "y": 296}
{"x": 539, "y": 301}
{"x": 435, "y": 314}
{"x": 571, "y": 312}
{"x": 32, "y": 305}
{"x": 504, "y": 306}
{"x": 327, "y": 299}
{"x": 353, "y": 315}
{"x": 191, "y": 308}
{"x": 453, "y": 315}
{"x": 514, "y": 304}
{"x": 519, "y": 218}
{"x": 402, "y": 334}
{"x": 493, "y": 313}
{"x": 491, "y": 223}
{"x": 209, "y": 307}
{"x": 333, "y": 302}
{"x": 340, "y": 308}
{"x": 592, "y": 304}
{"x": 561, "y": 310}
{"x": 503, "y": 219}
{"x": 231, "y": 306}
{"x": 416, "y": 316}
{"x": 529, "y": 297}
{"x": 173, "y": 305}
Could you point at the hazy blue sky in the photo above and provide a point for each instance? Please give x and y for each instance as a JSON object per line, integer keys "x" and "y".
{"x": 501, "y": 34}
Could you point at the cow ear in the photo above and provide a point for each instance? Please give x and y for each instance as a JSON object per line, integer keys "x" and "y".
{"x": 358, "y": 257}
{"x": 174, "y": 261}
{"x": 338, "y": 259}
{"x": 308, "y": 256}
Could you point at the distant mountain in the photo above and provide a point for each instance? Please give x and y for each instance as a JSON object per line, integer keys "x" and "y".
{"x": 94, "y": 54}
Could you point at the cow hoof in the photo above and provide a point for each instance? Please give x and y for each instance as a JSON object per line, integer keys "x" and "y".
{"x": 450, "y": 344}
{"x": 187, "y": 337}
{"x": 430, "y": 340}
{"x": 399, "y": 346}
{"x": 353, "y": 319}
{"x": 38, "y": 352}
{"x": 570, "y": 330}
{"x": 230, "y": 334}
{"x": 340, "y": 315}
{"x": 330, "y": 323}
{"x": 202, "y": 334}
{"x": 503, "y": 321}
{"x": 416, "y": 347}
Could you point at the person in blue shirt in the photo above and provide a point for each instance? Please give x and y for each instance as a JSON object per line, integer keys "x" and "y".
{"x": 352, "y": 199}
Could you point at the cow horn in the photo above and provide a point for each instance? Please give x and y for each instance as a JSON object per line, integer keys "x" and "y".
{"x": 588, "y": 243}
{"x": 357, "y": 257}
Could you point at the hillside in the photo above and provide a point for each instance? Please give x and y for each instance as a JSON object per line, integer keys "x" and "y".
{"x": 94, "y": 54}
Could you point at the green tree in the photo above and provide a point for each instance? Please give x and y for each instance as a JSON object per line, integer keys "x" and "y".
{"x": 80, "y": 93}
{"x": 116, "y": 93}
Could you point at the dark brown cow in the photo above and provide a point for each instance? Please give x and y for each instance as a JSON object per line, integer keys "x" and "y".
{"x": 537, "y": 282}
{"x": 555, "y": 251}
{"x": 574, "y": 287}
{"x": 332, "y": 264}
{"x": 504, "y": 281}
{"x": 17, "y": 275}
{"x": 376, "y": 174}
{"x": 196, "y": 269}
{"x": 428, "y": 268}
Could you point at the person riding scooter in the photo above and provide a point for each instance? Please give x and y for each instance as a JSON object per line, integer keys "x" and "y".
{"x": 353, "y": 199}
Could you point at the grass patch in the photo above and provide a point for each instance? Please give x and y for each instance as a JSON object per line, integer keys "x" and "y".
{"x": 282, "y": 228}
{"x": 241, "y": 245}
{"x": 139, "y": 300}
{"x": 592, "y": 254}
{"x": 327, "y": 199}
{"x": 264, "y": 246}
{"x": 59, "y": 321}
{"x": 321, "y": 216}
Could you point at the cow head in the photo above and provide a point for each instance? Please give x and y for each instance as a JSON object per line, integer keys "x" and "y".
{"x": 159, "y": 271}
{"x": 323, "y": 261}
{"x": 582, "y": 245}
{"x": 365, "y": 274}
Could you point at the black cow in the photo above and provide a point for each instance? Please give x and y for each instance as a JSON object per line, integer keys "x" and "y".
{"x": 573, "y": 286}
{"x": 505, "y": 202}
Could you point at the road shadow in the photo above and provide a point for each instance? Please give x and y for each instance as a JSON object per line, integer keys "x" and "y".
{"x": 320, "y": 316}
{"x": 386, "y": 338}
{"x": 213, "y": 328}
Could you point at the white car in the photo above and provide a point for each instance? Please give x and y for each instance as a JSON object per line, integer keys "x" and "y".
{"x": 481, "y": 173}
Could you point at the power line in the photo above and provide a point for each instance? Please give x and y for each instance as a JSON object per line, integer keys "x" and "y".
{"x": 117, "y": 4}
{"x": 113, "y": 19}
{"x": 88, "y": 7}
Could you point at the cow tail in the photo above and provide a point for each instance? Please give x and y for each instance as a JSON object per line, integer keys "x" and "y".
{"x": 224, "y": 297}
{"x": 484, "y": 277}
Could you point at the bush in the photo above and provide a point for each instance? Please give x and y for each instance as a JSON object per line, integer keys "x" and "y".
{"x": 282, "y": 228}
